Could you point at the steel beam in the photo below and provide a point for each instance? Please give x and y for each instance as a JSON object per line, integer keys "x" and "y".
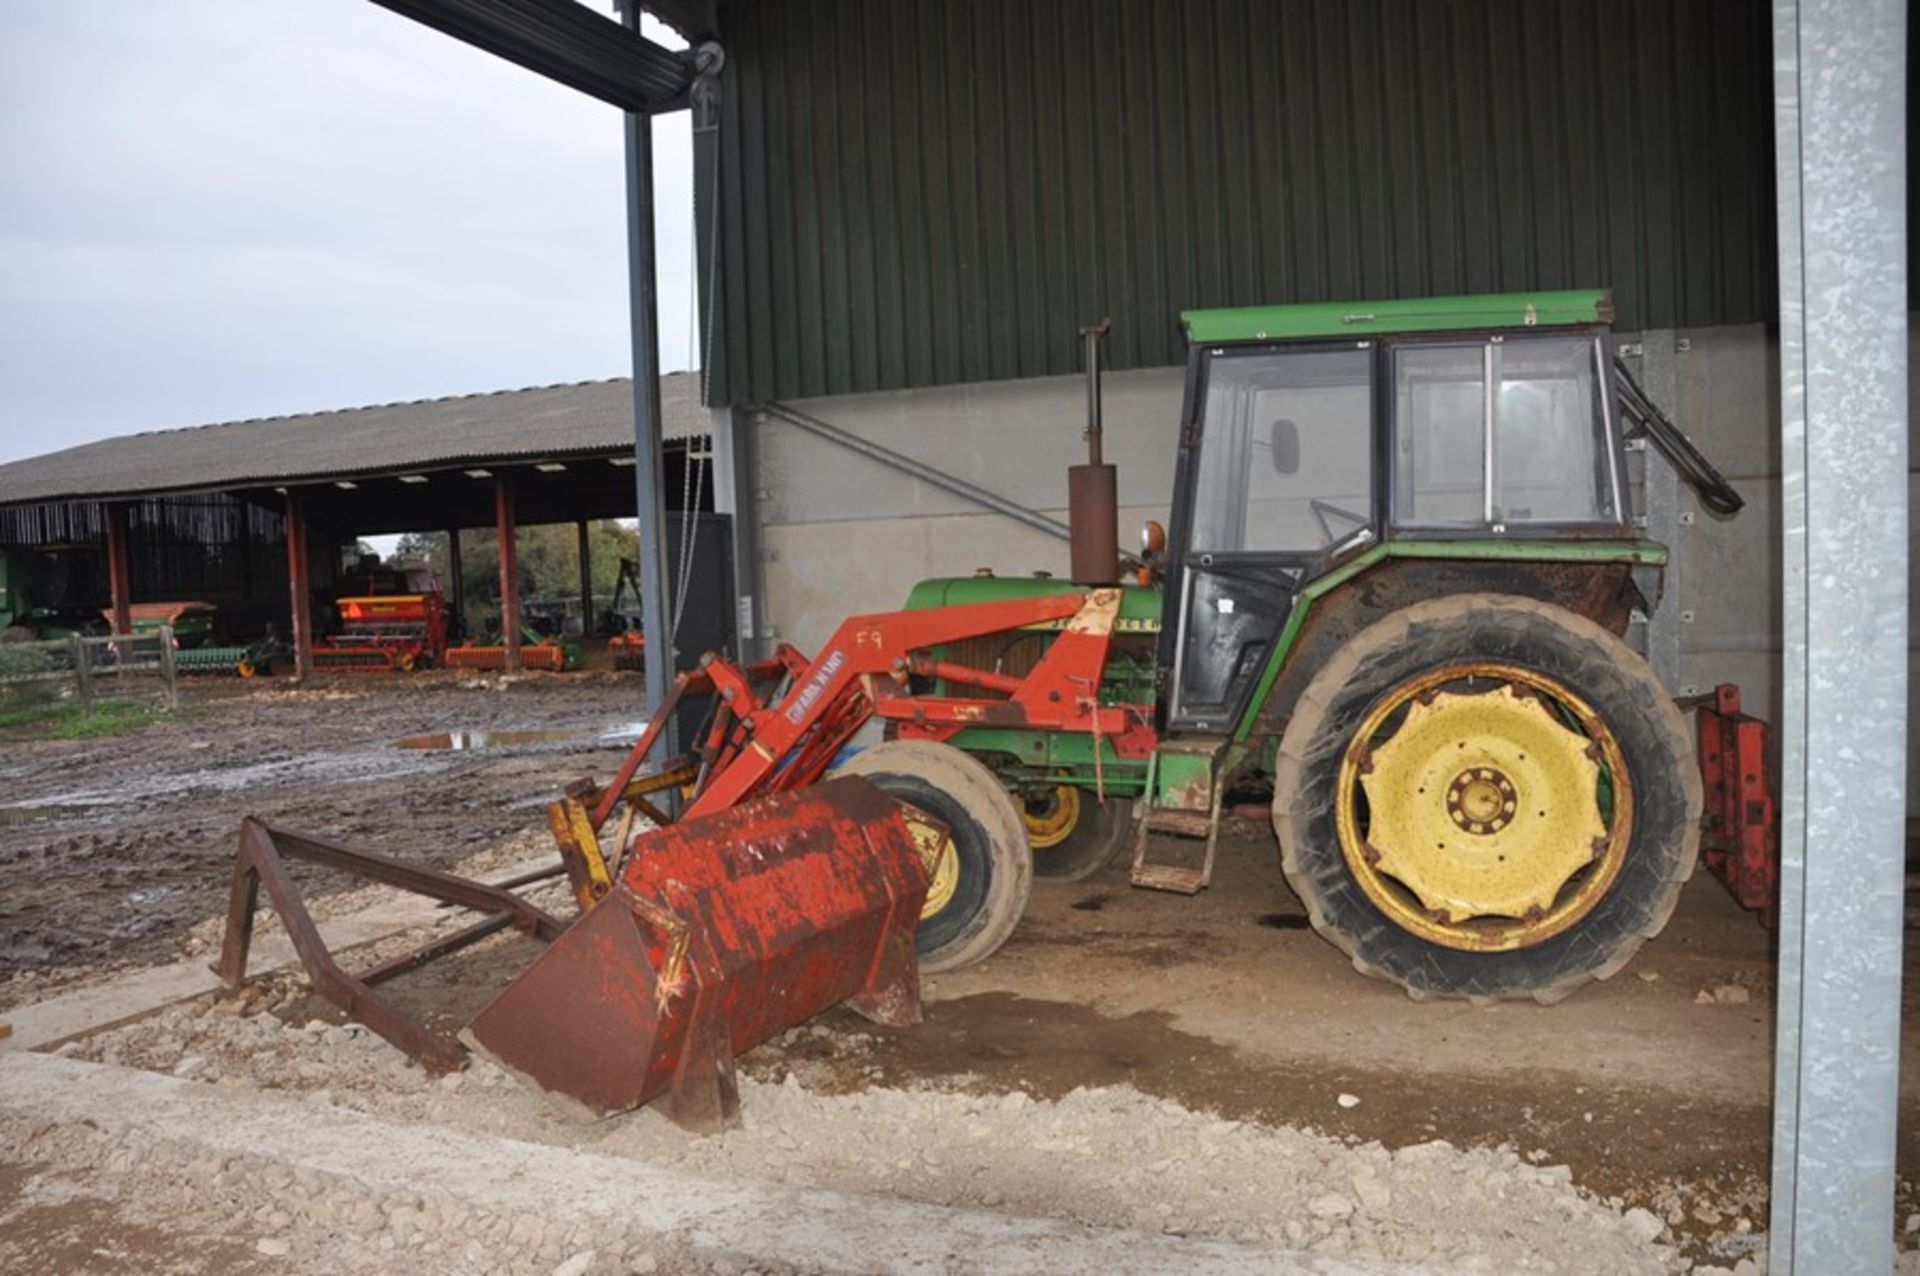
{"x": 733, "y": 495}
{"x": 1663, "y": 511}
{"x": 299, "y": 592}
{"x": 457, "y": 587}
{"x": 507, "y": 528}
{"x": 565, "y": 41}
{"x": 1839, "y": 127}
{"x": 582, "y": 532}
{"x": 918, "y": 469}
{"x": 649, "y": 465}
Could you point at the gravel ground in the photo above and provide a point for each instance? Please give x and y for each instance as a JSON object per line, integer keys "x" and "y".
{"x": 1107, "y": 1156}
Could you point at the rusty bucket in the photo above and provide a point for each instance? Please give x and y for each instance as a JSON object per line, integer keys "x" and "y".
{"x": 721, "y": 932}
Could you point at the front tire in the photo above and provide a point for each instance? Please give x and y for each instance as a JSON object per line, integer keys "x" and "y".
{"x": 980, "y": 888}
{"x": 1487, "y": 797}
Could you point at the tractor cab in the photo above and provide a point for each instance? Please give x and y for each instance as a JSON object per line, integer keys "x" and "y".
{"x": 1317, "y": 435}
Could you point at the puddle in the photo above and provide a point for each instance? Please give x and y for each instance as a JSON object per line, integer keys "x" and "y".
{"x": 463, "y": 741}
{"x": 1282, "y": 921}
{"x": 34, "y": 813}
{"x": 460, "y": 741}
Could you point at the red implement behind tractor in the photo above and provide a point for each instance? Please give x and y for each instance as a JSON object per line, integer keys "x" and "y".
{"x": 386, "y": 633}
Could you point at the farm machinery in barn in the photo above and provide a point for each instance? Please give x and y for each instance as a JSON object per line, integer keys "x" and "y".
{"x": 1392, "y": 601}
{"x": 396, "y": 625}
{"x": 196, "y": 645}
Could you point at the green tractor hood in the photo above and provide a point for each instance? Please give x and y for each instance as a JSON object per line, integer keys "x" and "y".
{"x": 1139, "y": 604}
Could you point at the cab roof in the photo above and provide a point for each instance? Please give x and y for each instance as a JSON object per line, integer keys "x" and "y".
{"x": 1412, "y": 314}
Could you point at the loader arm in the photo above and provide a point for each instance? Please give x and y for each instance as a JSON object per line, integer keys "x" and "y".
{"x": 862, "y": 671}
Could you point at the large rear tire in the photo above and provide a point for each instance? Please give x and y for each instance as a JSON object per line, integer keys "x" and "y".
{"x": 980, "y": 887}
{"x": 1487, "y": 797}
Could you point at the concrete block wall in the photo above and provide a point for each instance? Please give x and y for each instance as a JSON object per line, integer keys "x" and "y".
{"x": 1727, "y": 381}
{"x": 842, "y": 534}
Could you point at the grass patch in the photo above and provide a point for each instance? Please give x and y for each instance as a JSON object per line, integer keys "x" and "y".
{"x": 70, "y": 722}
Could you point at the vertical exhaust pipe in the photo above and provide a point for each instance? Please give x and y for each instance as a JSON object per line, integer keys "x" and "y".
{"x": 1093, "y": 489}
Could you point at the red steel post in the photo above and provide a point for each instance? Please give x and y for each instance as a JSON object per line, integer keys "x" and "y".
{"x": 509, "y": 571}
{"x": 300, "y": 596}
{"x": 119, "y": 568}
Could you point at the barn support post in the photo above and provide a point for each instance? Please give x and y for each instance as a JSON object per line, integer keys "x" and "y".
{"x": 457, "y": 587}
{"x": 507, "y": 529}
{"x": 649, "y": 465}
{"x": 1840, "y": 138}
{"x": 119, "y": 568}
{"x": 733, "y": 495}
{"x": 299, "y": 593}
{"x": 581, "y": 531}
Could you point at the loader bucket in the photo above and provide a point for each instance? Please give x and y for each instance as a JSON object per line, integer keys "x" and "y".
{"x": 721, "y": 932}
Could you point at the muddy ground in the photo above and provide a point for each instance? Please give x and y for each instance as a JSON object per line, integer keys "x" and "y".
{"x": 110, "y": 852}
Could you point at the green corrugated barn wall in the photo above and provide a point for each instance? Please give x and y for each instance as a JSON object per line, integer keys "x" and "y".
{"x": 916, "y": 192}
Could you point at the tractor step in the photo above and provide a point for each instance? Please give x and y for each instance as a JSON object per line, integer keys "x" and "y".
{"x": 1187, "y": 826}
{"x": 1185, "y": 804}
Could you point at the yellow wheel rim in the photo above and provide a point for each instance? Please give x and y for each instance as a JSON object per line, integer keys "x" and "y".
{"x": 1055, "y": 819}
{"x": 245, "y": 669}
{"x": 1484, "y": 807}
{"x": 934, "y": 841}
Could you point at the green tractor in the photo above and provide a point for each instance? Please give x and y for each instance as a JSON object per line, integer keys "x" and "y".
{"x": 1393, "y": 596}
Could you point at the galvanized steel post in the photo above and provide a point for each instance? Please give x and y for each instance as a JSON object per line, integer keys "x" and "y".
{"x": 1839, "y": 101}
{"x": 648, "y": 463}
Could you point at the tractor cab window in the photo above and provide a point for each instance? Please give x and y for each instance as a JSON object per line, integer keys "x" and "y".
{"x": 1502, "y": 432}
{"x": 1285, "y": 463}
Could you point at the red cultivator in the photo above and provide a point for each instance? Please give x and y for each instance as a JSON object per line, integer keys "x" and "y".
{"x": 386, "y": 633}
{"x": 775, "y": 894}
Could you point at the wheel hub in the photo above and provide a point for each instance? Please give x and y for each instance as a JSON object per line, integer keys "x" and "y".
{"x": 1494, "y": 816}
{"x": 934, "y": 840}
{"x": 1481, "y": 800}
{"x": 1051, "y": 816}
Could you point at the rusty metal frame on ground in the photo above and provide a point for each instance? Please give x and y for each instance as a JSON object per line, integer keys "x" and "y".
{"x": 264, "y": 851}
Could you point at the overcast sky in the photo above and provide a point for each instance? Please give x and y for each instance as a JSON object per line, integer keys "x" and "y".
{"x": 218, "y": 209}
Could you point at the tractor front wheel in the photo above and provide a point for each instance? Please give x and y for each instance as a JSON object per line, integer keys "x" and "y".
{"x": 981, "y": 871}
{"x": 1073, "y": 833}
{"x": 1487, "y": 797}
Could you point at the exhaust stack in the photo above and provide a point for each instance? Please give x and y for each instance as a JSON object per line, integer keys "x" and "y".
{"x": 1093, "y": 489}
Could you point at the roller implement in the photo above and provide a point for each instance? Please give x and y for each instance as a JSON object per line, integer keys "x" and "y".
{"x": 1392, "y": 603}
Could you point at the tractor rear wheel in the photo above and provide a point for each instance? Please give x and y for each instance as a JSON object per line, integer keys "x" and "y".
{"x": 1487, "y": 797}
{"x": 1073, "y": 834}
{"x": 983, "y": 872}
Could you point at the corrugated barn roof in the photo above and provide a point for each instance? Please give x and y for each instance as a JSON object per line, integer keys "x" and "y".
{"x": 555, "y": 421}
